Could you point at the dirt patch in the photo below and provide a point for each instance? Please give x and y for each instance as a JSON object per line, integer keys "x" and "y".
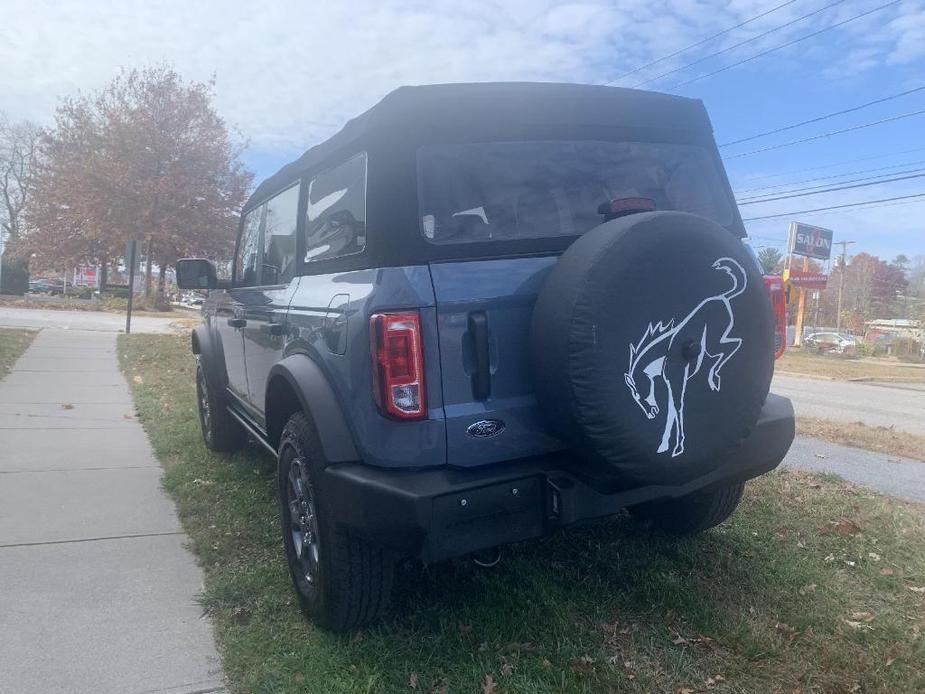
{"x": 845, "y": 369}
{"x": 859, "y": 435}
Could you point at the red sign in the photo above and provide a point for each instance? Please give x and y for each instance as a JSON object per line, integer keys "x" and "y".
{"x": 808, "y": 280}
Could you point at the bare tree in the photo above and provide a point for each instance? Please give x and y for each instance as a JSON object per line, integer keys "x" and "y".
{"x": 17, "y": 154}
{"x": 146, "y": 158}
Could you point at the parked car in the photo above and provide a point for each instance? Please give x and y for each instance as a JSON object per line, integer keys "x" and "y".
{"x": 831, "y": 342}
{"x": 46, "y": 286}
{"x": 483, "y": 312}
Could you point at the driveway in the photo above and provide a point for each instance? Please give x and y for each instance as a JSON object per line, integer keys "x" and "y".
{"x": 97, "y": 590}
{"x": 83, "y": 320}
{"x": 899, "y": 405}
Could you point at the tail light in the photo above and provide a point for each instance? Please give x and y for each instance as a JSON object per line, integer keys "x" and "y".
{"x": 398, "y": 364}
{"x": 778, "y": 296}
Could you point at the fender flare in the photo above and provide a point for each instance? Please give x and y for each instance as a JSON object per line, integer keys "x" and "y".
{"x": 210, "y": 354}
{"x": 319, "y": 401}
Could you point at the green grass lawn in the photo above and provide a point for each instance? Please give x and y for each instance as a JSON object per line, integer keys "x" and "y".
{"x": 12, "y": 344}
{"x": 814, "y": 586}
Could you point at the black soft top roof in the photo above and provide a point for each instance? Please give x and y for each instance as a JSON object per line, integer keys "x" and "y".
{"x": 411, "y": 114}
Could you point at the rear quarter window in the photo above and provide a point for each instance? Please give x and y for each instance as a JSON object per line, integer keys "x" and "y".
{"x": 336, "y": 213}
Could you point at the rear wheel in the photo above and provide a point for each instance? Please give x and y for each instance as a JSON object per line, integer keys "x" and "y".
{"x": 220, "y": 431}
{"x": 693, "y": 513}
{"x": 342, "y": 581}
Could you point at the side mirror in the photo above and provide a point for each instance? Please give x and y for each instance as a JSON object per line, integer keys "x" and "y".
{"x": 196, "y": 273}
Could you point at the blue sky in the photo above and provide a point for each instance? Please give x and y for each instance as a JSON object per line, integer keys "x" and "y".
{"x": 288, "y": 74}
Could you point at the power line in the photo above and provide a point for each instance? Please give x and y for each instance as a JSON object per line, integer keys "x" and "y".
{"x": 740, "y": 44}
{"x": 763, "y": 196}
{"x": 701, "y": 42}
{"x": 831, "y": 190}
{"x": 866, "y": 207}
{"x": 831, "y": 176}
{"x": 787, "y": 44}
{"x": 763, "y": 177}
{"x": 833, "y": 207}
{"x": 825, "y": 117}
{"x": 825, "y": 135}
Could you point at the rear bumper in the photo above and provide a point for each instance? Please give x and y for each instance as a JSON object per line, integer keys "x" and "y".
{"x": 440, "y": 513}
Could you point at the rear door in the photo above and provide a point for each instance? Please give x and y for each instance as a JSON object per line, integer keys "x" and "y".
{"x": 525, "y": 195}
{"x": 483, "y": 319}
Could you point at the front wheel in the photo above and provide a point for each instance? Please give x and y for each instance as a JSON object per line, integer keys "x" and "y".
{"x": 693, "y": 513}
{"x": 342, "y": 581}
{"x": 220, "y": 431}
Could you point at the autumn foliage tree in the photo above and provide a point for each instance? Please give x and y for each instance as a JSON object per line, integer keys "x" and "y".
{"x": 146, "y": 158}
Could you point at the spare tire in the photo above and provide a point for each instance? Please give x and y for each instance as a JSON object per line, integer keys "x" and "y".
{"x": 652, "y": 346}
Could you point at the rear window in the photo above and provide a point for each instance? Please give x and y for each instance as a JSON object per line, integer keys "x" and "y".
{"x": 528, "y": 190}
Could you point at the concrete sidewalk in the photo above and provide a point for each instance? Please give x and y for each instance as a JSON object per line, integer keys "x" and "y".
{"x": 12, "y": 317}
{"x": 890, "y": 474}
{"x": 97, "y": 592}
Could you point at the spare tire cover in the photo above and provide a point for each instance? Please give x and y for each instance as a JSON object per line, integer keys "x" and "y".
{"x": 652, "y": 346}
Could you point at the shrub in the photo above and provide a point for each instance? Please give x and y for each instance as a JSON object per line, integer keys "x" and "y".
{"x": 907, "y": 349}
{"x": 869, "y": 349}
{"x": 14, "y": 276}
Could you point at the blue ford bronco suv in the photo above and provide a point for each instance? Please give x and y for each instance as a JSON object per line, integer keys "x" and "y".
{"x": 482, "y": 312}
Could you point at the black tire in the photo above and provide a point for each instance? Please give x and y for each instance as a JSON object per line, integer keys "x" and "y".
{"x": 342, "y": 582}
{"x": 694, "y": 513}
{"x": 652, "y": 347}
{"x": 220, "y": 431}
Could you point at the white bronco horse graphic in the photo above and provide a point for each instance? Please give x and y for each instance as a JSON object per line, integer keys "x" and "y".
{"x": 702, "y": 335}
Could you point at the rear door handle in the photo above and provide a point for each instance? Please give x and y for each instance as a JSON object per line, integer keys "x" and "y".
{"x": 481, "y": 376}
{"x": 273, "y": 328}
{"x": 237, "y": 322}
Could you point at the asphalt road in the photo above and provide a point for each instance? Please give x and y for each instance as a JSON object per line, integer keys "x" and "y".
{"x": 97, "y": 321}
{"x": 900, "y": 405}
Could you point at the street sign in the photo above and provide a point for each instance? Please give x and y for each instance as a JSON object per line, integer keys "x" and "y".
{"x": 805, "y": 280}
{"x": 131, "y": 259}
{"x": 810, "y": 241}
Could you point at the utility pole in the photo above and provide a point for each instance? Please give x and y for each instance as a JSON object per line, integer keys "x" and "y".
{"x": 841, "y": 282}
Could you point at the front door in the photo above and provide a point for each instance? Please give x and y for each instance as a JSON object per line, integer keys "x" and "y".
{"x": 265, "y": 331}
{"x": 230, "y": 307}
{"x": 229, "y": 312}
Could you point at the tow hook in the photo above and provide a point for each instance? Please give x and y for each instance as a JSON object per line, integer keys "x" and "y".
{"x": 487, "y": 558}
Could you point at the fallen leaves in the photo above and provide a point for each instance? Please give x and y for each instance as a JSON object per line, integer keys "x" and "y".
{"x": 886, "y": 571}
{"x": 413, "y": 681}
{"x": 843, "y": 526}
{"x": 138, "y": 380}
{"x": 489, "y": 686}
{"x": 584, "y": 663}
{"x": 807, "y": 589}
{"x": 787, "y": 630}
{"x": 916, "y": 589}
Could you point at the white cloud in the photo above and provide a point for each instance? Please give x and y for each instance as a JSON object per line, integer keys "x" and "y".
{"x": 291, "y": 72}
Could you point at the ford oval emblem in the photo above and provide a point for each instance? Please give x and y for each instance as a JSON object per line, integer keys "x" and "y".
{"x": 485, "y": 428}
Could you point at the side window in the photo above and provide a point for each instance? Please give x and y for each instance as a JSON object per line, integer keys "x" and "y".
{"x": 279, "y": 237}
{"x": 336, "y": 223}
{"x": 249, "y": 249}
